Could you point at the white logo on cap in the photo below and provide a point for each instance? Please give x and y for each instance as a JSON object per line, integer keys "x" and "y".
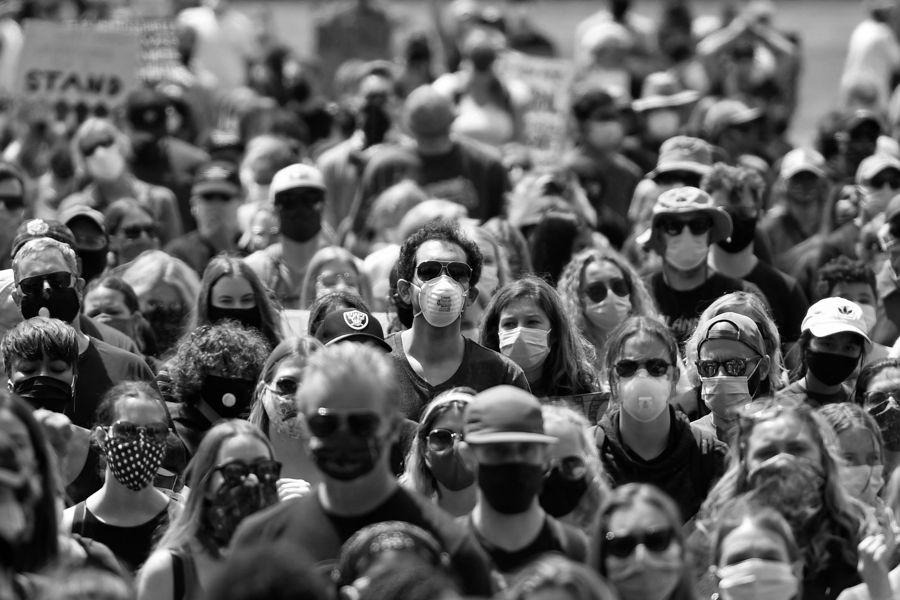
{"x": 37, "y": 227}
{"x": 356, "y": 320}
{"x": 216, "y": 172}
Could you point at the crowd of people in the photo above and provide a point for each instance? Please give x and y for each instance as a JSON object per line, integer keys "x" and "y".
{"x": 363, "y": 340}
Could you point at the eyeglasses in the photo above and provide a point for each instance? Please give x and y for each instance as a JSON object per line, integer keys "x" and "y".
{"x": 34, "y": 286}
{"x": 361, "y": 423}
{"x": 623, "y": 546}
{"x": 697, "y": 225}
{"x": 678, "y": 177}
{"x": 733, "y": 367}
{"x": 129, "y": 432}
{"x": 284, "y": 386}
{"x": 133, "y": 232}
{"x": 89, "y": 149}
{"x": 888, "y": 177}
{"x": 875, "y": 399}
{"x": 236, "y": 471}
{"x": 12, "y": 202}
{"x": 570, "y": 467}
{"x": 655, "y": 367}
{"x": 597, "y": 291}
{"x": 332, "y": 279}
{"x": 431, "y": 269}
{"x": 442, "y": 439}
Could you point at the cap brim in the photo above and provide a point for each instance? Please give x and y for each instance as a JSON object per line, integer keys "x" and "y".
{"x": 826, "y": 329}
{"x": 500, "y": 437}
{"x": 680, "y": 165}
{"x": 215, "y": 186}
{"x": 788, "y": 173}
{"x": 672, "y": 101}
{"x": 364, "y": 338}
{"x": 303, "y": 186}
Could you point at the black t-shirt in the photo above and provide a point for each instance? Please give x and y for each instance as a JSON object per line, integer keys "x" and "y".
{"x": 131, "y": 545}
{"x": 469, "y": 174}
{"x": 681, "y": 309}
{"x": 100, "y": 367}
{"x": 305, "y": 522}
{"x": 786, "y": 299}
{"x": 480, "y": 369}
{"x": 553, "y": 537}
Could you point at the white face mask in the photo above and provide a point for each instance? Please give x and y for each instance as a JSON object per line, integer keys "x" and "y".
{"x": 441, "y": 301}
{"x": 106, "y": 164}
{"x": 605, "y": 135}
{"x": 644, "y": 397}
{"x": 863, "y": 482}
{"x": 755, "y": 578}
{"x": 525, "y": 346}
{"x": 662, "y": 124}
{"x": 869, "y": 316}
{"x": 608, "y": 313}
{"x": 687, "y": 251}
{"x": 725, "y": 395}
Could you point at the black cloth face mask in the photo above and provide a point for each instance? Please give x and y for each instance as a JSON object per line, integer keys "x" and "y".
{"x": 229, "y": 398}
{"x": 62, "y": 303}
{"x": 248, "y": 317}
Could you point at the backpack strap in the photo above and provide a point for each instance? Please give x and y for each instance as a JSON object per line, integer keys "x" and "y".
{"x": 79, "y": 518}
{"x": 178, "y": 587}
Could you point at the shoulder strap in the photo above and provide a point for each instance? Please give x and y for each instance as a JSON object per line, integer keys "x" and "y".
{"x": 177, "y": 576}
{"x": 79, "y": 518}
{"x": 599, "y": 436}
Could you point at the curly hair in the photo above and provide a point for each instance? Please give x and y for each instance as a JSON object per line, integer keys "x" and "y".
{"x": 36, "y": 337}
{"x": 843, "y": 416}
{"x": 732, "y": 180}
{"x": 443, "y": 232}
{"x": 844, "y": 270}
{"x": 227, "y": 349}
{"x": 870, "y": 372}
{"x": 554, "y": 572}
{"x": 568, "y": 369}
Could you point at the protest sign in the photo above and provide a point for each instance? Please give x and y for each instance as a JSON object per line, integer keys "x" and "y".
{"x": 159, "y": 58}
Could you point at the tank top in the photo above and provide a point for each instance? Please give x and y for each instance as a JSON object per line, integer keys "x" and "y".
{"x": 131, "y": 545}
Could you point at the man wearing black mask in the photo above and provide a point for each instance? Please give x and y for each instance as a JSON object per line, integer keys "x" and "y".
{"x": 350, "y": 416}
{"x": 739, "y": 191}
{"x": 91, "y": 241}
{"x": 298, "y": 195}
{"x": 373, "y": 105}
{"x": 48, "y": 285}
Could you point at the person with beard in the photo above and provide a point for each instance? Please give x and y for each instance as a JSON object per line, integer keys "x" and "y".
{"x": 231, "y": 290}
{"x": 298, "y": 193}
{"x": 126, "y": 514}
{"x": 780, "y": 460}
{"x": 12, "y": 208}
{"x": 739, "y": 191}
{"x": 349, "y": 415}
{"x": 215, "y": 197}
{"x": 212, "y": 377}
{"x": 233, "y": 475}
{"x": 832, "y": 346}
{"x": 375, "y": 106}
{"x": 47, "y": 284}
{"x": 504, "y": 431}
{"x": 100, "y": 153}
{"x": 91, "y": 241}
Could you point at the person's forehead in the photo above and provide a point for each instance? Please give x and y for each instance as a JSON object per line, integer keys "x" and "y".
{"x": 851, "y": 289}
{"x": 601, "y": 270}
{"x": 568, "y": 439}
{"x": 242, "y": 447}
{"x": 887, "y": 379}
{"x": 783, "y": 428}
{"x": 105, "y": 296}
{"x": 722, "y": 349}
{"x": 638, "y": 517}
{"x": 749, "y": 540}
{"x": 841, "y": 338}
{"x": 139, "y": 410}
{"x": 522, "y": 307}
{"x": 49, "y": 261}
{"x": 857, "y": 439}
{"x": 346, "y": 396}
{"x": 643, "y": 344}
{"x": 439, "y": 250}
{"x": 231, "y": 284}
{"x": 452, "y": 418}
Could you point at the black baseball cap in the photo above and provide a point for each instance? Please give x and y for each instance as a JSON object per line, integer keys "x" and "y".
{"x": 218, "y": 176}
{"x": 351, "y": 325}
{"x": 33, "y": 229}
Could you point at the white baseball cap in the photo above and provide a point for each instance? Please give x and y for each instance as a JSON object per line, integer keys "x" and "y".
{"x": 296, "y": 176}
{"x": 835, "y": 315}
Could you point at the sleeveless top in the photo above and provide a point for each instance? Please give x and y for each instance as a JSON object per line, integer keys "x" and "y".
{"x": 131, "y": 545}
{"x": 185, "y": 580}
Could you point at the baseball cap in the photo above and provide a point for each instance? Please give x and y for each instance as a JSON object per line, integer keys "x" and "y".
{"x": 505, "y": 414}
{"x": 427, "y": 113}
{"x": 733, "y": 326}
{"x": 688, "y": 200}
{"x": 40, "y": 228}
{"x": 726, "y": 113}
{"x": 218, "y": 176}
{"x": 683, "y": 153}
{"x": 85, "y": 240}
{"x": 80, "y": 210}
{"x": 860, "y": 117}
{"x": 835, "y": 315}
{"x": 875, "y": 164}
{"x": 296, "y": 176}
{"x": 351, "y": 325}
{"x": 663, "y": 90}
{"x": 799, "y": 160}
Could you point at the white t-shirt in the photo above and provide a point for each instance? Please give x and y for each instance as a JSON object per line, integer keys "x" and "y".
{"x": 872, "y": 53}
{"x": 224, "y": 44}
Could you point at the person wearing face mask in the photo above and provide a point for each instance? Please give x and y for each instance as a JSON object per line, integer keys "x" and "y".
{"x": 298, "y": 193}
{"x": 525, "y": 321}
{"x": 349, "y": 415}
{"x": 609, "y": 178}
{"x": 438, "y": 465}
{"x": 504, "y": 430}
{"x": 215, "y": 197}
{"x": 91, "y": 240}
{"x": 642, "y": 438}
{"x": 832, "y": 346}
{"x": 212, "y": 377}
{"x": 685, "y": 223}
{"x": 438, "y": 273}
{"x": 232, "y": 476}
{"x": 878, "y": 391}
{"x": 739, "y": 191}
{"x": 111, "y": 301}
{"x": 878, "y": 176}
{"x": 662, "y": 112}
{"x": 857, "y": 138}
{"x": 100, "y": 154}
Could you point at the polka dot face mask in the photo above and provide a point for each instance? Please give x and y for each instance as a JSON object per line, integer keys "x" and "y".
{"x": 134, "y": 453}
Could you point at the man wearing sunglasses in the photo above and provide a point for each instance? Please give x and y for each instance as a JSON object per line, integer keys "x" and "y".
{"x": 685, "y": 223}
{"x": 215, "y": 197}
{"x": 350, "y": 415}
{"x": 504, "y": 429}
{"x": 438, "y": 271}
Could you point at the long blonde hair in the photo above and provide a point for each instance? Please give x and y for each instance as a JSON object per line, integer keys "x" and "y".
{"x": 318, "y": 261}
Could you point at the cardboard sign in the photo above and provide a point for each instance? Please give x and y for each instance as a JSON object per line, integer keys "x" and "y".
{"x": 544, "y": 118}
{"x": 77, "y": 67}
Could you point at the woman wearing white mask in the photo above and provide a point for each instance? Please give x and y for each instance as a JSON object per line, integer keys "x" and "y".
{"x": 642, "y": 438}
{"x": 525, "y": 321}
{"x": 494, "y": 275}
{"x": 599, "y": 288}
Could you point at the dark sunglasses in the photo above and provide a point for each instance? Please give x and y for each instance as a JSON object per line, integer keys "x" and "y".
{"x": 697, "y": 225}
{"x": 676, "y": 177}
{"x": 431, "y": 269}
{"x": 572, "y": 468}
{"x": 624, "y": 545}
{"x": 12, "y": 202}
{"x": 216, "y": 196}
{"x": 442, "y": 439}
{"x": 236, "y": 471}
{"x": 332, "y": 279}
{"x": 888, "y": 177}
{"x": 733, "y": 367}
{"x": 879, "y": 400}
{"x": 656, "y": 367}
{"x": 133, "y": 232}
{"x": 89, "y": 149}
{"x": 597, "y": 291}
{"x": 129, "y": 432}
{"x": 34, "y": 286}
{"x": 284, "y": 386}
{"x": 361, "y": 423}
